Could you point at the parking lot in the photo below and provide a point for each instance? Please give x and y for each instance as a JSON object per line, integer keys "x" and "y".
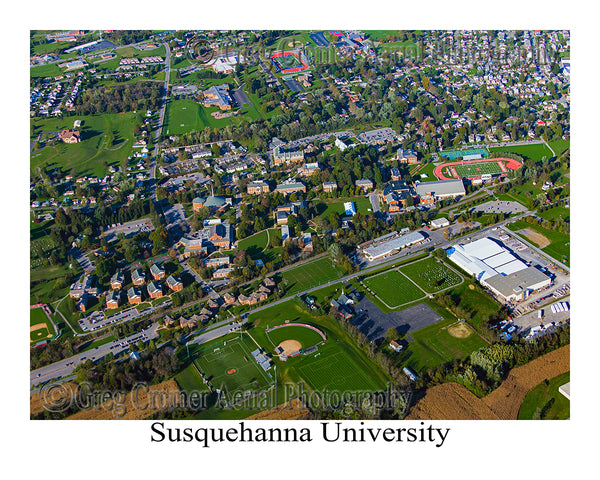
{"x": 532, "y": 319}
{"x": 500, "y": 207}
{"x": 128, "y": 229}
{"x": 374, "y": 323}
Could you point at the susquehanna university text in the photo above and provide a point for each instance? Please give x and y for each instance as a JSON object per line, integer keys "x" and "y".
{"x": 330, "y": 432}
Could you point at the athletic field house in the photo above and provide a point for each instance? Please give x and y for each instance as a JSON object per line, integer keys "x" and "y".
{"x": 388, "y": 244}
{"x": 498, "y": 269}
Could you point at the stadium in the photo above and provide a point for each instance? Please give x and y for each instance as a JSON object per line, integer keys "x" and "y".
{"x": 288, "y": 62}
{"x": 476, "y": 169}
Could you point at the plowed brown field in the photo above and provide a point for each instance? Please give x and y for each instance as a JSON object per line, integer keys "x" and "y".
{"x": 292, "y": 410}
{"x": 452, "y": 401}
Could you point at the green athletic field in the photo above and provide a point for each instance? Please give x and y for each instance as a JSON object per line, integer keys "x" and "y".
{"x": 478, "y": 169}
{"x": 232, "y": 367}
{"x": 334, "y": 367}
{"x": 393, "y": 288}
{"x": 37, "y": 316}
{"x": 431, "y": 275}
{"x": 534, "y": 151}
{"x": 453, "y": 154}
{"x": 309, "y": 275}
{"x": 304, "y": 335}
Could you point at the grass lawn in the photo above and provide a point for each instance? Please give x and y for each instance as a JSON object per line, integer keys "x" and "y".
{"x": 328, "y": 206}
{"x": 106, "y": 139}
{"x": 555, "y": 213}
{"x": 560, "y": 243}
{"x": 535, "y": 151}
{"x": 550, "y": 402}
{"x": 254, "y": 244}
{"x": 309, "y": 275}
{"x": 560, "y": 146}
{"x": 189, "y": 380}
{"x": 431, "y": 275}
{"x": 434, "y": 345}
{"x": 42, "y": 282}
{"x": 393, "y": 288}
{"x": 306, "y": 336}
{"x": 50, "y": 70}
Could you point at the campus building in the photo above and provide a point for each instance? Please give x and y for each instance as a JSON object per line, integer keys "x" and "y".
{"x": 389, "y": 244}
{"x": 498, "y": 269}
{"x": 258, "y": 188}
{"x": 430, "y": 192}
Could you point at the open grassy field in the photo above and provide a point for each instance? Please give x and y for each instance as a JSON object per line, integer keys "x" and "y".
{"x": 50, "y": 70}
{"x": 560, "y": 243}
{"x": 431, "y": 275}
{"x": 336, "y": 205}
{"x": 309, "y": 275}
{"x": 546, "y": 400}
{"x": 190, "y": 380}
{"x": 183, "y": 116}
{"x": 534, "y": 151}
{"x": 555, "y": 213}
{"x": 440, "y": 343}
{"x": 254, "y": 244}
{"x": 106, "y": 139}
{"x": 43, "y": 282}
{"x": 393, "y": 288}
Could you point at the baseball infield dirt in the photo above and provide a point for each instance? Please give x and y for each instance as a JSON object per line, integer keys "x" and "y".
{"x": 290, "y": 346}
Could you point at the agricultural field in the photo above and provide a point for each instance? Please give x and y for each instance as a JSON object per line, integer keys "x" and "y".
{"x": 393, "y": 288}
{"x": 106, "y": 139}
{"x": 545, "y": 402}
{"x": 309, "y": 275}
{"x": 431, "y": 275}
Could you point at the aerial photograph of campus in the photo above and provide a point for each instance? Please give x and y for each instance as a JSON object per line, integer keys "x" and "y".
{"x": 299, "y": 224}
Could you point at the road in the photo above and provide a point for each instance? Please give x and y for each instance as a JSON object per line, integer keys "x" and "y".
{"x": 161, "y": 117}
{"x": 65, "y": 367}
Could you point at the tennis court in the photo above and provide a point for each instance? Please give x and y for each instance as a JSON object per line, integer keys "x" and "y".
{"x": 459, "y": 153}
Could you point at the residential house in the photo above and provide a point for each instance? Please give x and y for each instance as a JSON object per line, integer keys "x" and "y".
{"x": 134, "y": 296}
{"x": 394, "y": 345}
{"x": 138, "y": 277}
{"x": 113, "y": 299}
{"x": 117, "y": 280}
{"x": 154, "y": 290}
{"x": 157, "y": 272}
{"x": 174, "y": 283}
{"x": 68, "y": 135}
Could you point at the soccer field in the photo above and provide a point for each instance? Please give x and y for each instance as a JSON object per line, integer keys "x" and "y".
{"x": 393, "y": 288}
{"x": 309, "y": 275}
{"x": 232, "y": 367}
{"x": 431, "y": 275}
{"x": 334, "y": 368}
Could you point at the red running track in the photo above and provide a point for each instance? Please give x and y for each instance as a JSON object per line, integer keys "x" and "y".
{"x": 510, "y": 164}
